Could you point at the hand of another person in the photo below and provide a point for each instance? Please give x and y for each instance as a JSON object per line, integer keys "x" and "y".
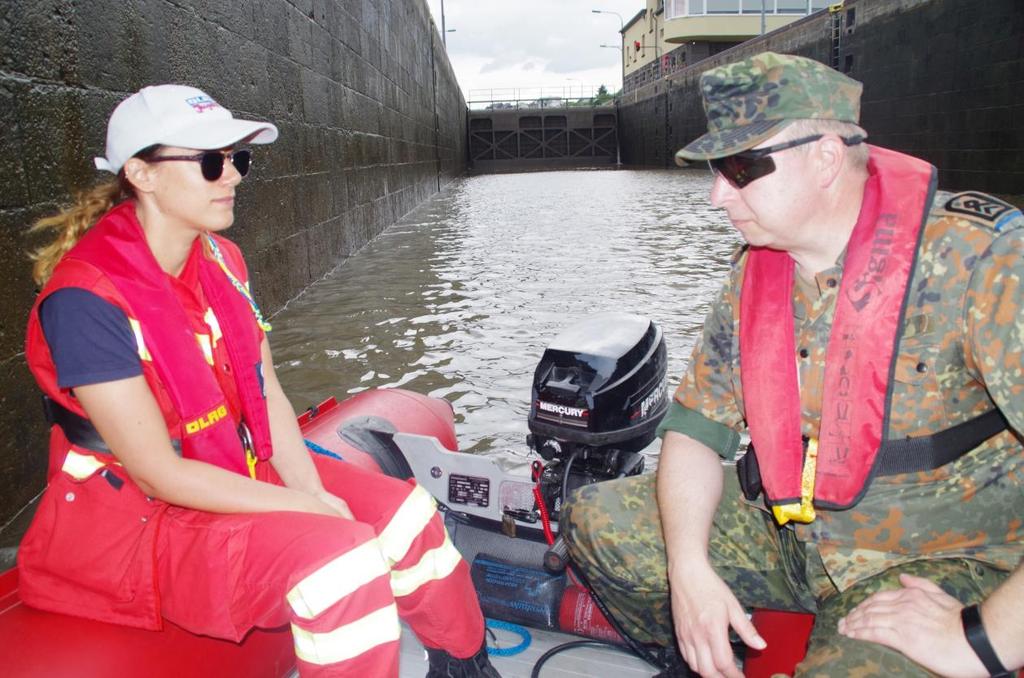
{"x": 336, "y": 504}
{"x": 922, "y": 622}
{"x": 703, "y": 609}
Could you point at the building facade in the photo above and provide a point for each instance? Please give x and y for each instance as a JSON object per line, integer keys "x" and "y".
{"x": 668, "y": 35}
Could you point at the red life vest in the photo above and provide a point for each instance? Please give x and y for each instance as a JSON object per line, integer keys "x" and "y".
{"x": 859, "y": 362}
{"x": 114, "y": 261}
{"x": 91, "y": 546}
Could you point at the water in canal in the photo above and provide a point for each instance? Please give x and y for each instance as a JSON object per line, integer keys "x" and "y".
{"x": 459, "y": 298}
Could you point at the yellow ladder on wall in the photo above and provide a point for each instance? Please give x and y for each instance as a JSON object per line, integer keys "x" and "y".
{"x": 836, "y": 19}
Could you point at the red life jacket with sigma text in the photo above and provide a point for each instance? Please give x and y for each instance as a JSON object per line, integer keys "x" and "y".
{"x": 837, "y": 467}
{"x": 114, "y": 261}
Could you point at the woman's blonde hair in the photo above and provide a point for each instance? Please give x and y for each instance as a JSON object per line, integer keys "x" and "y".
{"x": 71, "y": 223}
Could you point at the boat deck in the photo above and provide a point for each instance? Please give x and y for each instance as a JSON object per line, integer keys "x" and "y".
{"x": 589, "y": 662}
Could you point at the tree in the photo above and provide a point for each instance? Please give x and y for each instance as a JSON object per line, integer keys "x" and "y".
{"x": 603, "y": 97}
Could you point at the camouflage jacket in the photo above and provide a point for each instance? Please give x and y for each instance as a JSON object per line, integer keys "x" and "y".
{"x": 960, "y": 355}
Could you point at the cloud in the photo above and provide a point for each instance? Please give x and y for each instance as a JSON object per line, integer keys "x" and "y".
{"x": 493, "y": 67}
{"x": 571, "y": 63}
{"x": 526, "y": 43}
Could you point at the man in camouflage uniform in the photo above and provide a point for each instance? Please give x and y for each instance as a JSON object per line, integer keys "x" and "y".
{"x": 887, "y": 578}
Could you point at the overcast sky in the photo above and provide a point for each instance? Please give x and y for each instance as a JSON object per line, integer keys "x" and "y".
{"x": 534, "y": 43}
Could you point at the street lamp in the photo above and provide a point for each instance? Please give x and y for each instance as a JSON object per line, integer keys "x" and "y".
{"x": 622, "y": 28}
{"x": 622, "y": 23}
{"x": 622, "y": 58}
{"x": 570, "y": 86}
{"x": 444, "y": 31}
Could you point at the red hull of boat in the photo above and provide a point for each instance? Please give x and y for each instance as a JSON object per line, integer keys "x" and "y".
{"x": 43, "y": 644}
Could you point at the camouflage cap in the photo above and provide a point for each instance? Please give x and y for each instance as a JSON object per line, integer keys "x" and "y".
{"x": 751, "y": 100}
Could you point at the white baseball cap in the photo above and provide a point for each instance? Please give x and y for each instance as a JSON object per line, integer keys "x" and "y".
{"x": 174, "y": 115}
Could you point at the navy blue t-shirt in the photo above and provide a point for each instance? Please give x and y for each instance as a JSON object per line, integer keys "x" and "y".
{"x": 90, "y": 339}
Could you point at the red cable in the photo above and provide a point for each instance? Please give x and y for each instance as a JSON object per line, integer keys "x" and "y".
{"x": 545, "y": 519}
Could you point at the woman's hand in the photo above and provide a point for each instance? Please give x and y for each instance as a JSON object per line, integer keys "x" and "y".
{"x": 703, "y": 609}
{"x": 336, "y": 504}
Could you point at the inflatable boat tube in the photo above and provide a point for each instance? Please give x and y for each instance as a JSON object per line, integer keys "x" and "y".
{"x": 35, "y": 643}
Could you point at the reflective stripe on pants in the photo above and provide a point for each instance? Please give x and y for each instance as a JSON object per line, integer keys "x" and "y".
{"x": 332, "y": 579}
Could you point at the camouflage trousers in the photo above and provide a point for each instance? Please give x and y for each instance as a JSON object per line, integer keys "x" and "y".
{"x": 613, "y": 531}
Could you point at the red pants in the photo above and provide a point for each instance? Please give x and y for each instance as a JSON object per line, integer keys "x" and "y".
{"x": 342, "y": 584}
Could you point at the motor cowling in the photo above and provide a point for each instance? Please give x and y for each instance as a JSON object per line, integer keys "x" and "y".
{"x": 598, "y": 395}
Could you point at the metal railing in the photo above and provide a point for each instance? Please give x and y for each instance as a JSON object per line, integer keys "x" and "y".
{"x": 536, "y": 97}
{"x": 677, "y": 9}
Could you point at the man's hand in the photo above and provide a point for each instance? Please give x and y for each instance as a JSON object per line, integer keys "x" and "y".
{"x": 919, "y": 620}
{"x": 690, "y": 479}
{"x": 703, "y": 609}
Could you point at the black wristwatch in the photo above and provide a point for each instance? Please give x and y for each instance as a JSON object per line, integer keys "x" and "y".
{"x": 970, "y": 615}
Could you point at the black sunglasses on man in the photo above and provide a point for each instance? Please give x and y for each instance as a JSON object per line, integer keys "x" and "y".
{"x": 742, "y": 168}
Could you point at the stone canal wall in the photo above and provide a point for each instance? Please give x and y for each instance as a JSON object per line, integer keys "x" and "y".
{"x": 942, "y": 81}
{"x": 371, "y": 117}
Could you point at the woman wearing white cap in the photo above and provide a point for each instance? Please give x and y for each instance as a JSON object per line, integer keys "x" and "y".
{"x": 179, "y": 484}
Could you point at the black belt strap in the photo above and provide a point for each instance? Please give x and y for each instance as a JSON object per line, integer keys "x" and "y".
{"x": 909, "y": 455}
{"x": 928, "y": 453}
{"x": 79, "y": 430}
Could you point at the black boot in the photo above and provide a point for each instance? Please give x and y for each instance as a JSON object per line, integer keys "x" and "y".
{"x": 443, "y": 665}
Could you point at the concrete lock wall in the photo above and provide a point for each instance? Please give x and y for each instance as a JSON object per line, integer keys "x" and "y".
{"x": 942, "y": 81}
{"x": 372, "y": 122}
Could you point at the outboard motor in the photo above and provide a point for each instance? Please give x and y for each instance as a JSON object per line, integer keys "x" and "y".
{"x": 598, "y": 395}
